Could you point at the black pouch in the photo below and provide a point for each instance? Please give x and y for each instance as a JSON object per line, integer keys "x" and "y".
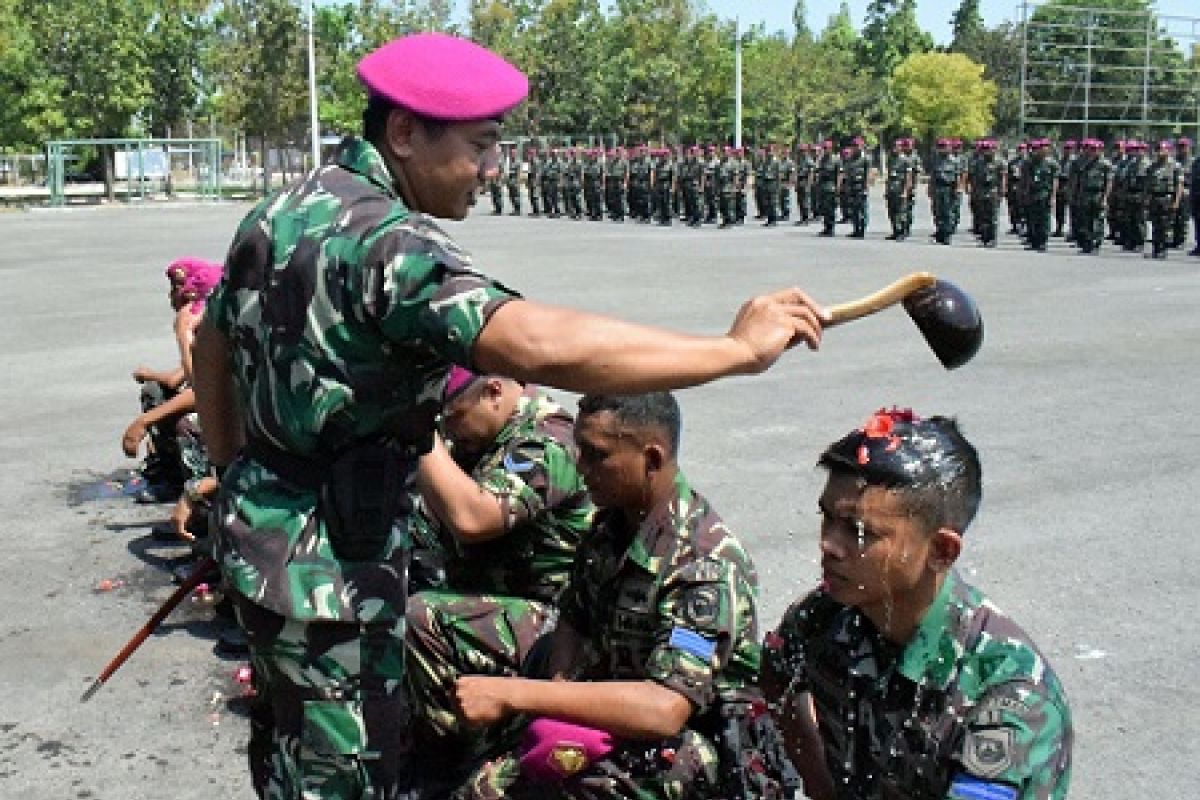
{"x": 361, "y": 498}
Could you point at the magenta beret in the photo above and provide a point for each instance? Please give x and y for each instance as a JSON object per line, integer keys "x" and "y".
{"x": 443, "y": 77}
{"x": 457, "y": 382}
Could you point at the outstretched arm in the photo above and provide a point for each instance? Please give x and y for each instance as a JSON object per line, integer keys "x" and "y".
{"x": 589, "y": 353}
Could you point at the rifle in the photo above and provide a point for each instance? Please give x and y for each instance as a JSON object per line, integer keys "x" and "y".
{"x": 203, "y": 567}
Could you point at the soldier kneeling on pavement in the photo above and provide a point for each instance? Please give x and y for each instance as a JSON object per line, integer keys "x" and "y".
{"x": 895, "y": 677}
{"x": 509, "y": 509}
{"x": 654, "y": 658}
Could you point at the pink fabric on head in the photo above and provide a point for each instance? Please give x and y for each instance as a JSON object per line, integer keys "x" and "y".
{"x": 196, "y": 277}
{"x": 443, "y": 77}
{"x": 457, "y": 382}
{"x": 554, "y": 750}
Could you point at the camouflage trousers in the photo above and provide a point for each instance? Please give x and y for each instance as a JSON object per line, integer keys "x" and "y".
{"x": 682, "y": 766}
{"x": 451, "y": 634}
{"x": 330, "y": 720}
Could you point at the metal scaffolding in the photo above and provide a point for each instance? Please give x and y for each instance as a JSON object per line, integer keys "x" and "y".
{"x": 1088, "y": 71}
{"x": 135, "y": 159}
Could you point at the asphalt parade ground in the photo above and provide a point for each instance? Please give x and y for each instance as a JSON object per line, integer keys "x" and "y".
{"x": 1082, "y": 403}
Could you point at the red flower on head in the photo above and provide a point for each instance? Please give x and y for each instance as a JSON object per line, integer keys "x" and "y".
{"x": 879, "y": 425}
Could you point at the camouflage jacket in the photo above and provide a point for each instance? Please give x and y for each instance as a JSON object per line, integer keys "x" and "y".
{"x": 344, "y": 312}
{"x": 530, "y": 467}
{"x": 673, "y": 601}
{"x": 967, "y": 709}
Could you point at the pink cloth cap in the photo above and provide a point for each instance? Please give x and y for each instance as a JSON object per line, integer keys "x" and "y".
{"x": 443, "y": 77}
{"x": 554, "y": 750}
{"x": 458, "y": 381}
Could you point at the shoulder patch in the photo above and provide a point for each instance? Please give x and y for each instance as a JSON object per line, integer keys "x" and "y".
{"x": 988, "y": 752}
{"x": 693, "y": 643}
{"x": 967, "y": 787}
{"x": 514, "y": 462}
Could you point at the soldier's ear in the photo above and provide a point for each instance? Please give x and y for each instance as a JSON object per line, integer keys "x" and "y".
{"x": 944, "y": 548}
{"x": 400, "y": 126}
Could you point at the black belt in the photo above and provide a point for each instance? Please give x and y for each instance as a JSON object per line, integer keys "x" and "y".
{"x": 305, "y": 472}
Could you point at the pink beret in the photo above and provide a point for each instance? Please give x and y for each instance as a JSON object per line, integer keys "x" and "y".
{"x": 554, "y": 750}
{"x": 858, "y": 141}
{"x": 196, "y": 277}
{"x": 1183, "y": 140}
{"x": 457, "y": 382}
{"x": 443, "y": 77}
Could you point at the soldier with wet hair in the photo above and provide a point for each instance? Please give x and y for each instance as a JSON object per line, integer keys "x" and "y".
{"x": 896, "y": 678}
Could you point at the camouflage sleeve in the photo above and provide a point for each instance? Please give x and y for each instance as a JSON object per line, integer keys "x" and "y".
{"x": 418, "y": 290}
{"x": 572, "y": 605}
{"x": 246, "y": 261}
{"x": 704, "y": 612}
{"x": 1017, "y": 744}
{"x": 532, "y": 476}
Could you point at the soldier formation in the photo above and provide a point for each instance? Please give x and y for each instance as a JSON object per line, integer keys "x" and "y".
{"x": 1076, "y": 193}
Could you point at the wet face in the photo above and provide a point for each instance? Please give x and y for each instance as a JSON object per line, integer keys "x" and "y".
{"x": 873, "y": 551}
{"x": 442, "y": 172}
{"x": 473, "y": 419}
{"x": 612, "y": 460}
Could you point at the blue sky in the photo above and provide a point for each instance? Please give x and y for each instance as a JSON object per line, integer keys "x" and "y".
{"x": 934, "y": 15}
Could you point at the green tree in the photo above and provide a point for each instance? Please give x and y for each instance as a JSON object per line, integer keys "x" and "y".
{"x": 178, "y": 35}
{"x": 966, "y": 25}
{"x": 944, "y": 94}
{"x": 800, "y": 28}
{"x": 890, "y": 35}
{"x": 1095, "y": 53}
{"x": 999, "y": 51}
{"x": 262, "y": 69}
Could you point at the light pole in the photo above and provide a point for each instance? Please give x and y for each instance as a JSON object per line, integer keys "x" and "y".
{"x": 737, "y": 82}
{"x": 314, "y": 120}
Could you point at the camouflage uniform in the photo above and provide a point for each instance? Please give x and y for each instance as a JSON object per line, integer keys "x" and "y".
{"x": 1194, "y": 193}
{"x": 987, "y": 181}
{"x": 1037, "y": 188}
{"x": 828, "y": 168}
{"x": 500, "y": 593}
{"x": 496, "y": 190}
{"x": 945, "y": 184}
{"x": 343, "y": 328}
{"x": 787, "y": 174}
{"x": 856, "y": 172}
{"x": 593, "y": 177}
{"x": 1164, "y": 180}
{"x": 968, "y": 709}
{"x": 512, "y": 180}
{"x": 533, "y": 182}
{"x": 672, "y": 602}
{"x": 804, "y": 190}
{"x": 1012, "y": 187}
{"x": 1094, "y": 180}
{"x": 727, "y": 179}
{"x": 616, "y": 174}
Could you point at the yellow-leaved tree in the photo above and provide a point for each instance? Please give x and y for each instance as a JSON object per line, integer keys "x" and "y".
{"x": 944, "y": 94}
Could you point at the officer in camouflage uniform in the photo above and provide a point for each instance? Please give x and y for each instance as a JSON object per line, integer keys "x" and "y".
{"x": 1038, "y": 188}
{"x": 512, "y": 180}
{"x": 909, "y": 680}
{"x": 573, "y": 185}
{"x": 1094, "y": 182}
{"x": 1012, "y": 183}
{"x": 943, "y": 191}
{"x": 664, "y": 185}
{"x": 758, "y": 163}
{"x": 828, "y": 180}
{"x": 727, "y": 179}
{"x": 593, "y": 180}
{"x": 771, "y": 179}
{"x": 640, "y": 173}
{"x": 496, "y": 190}
{"x": 960, "y": 163}
{"x": 691, "y": 178}
{"x": 533, "y": 182}
{"x": 743, "y": 183}
{"x": 804, "y": 172}
{"x": 616, "y": 178}
{"x": 1183, "y": 155}
{"x": 1133, "y": 188}
{"x": 656, "y": 633}
{"x": 1163, "y": 194}
{"x": 972, "y": 196}
{"x": 322, "y": 358}
{"x": 552, "y": 167}
{"x": 512, "y": 510}
{"x": 711, "y": 162}
{"x": 987, "y": 187}
{"x": 1062, "y": 194}
{"x": 787, "y": 176}
{"x": 856, "y": 172}
{"x": 898, "y": 189}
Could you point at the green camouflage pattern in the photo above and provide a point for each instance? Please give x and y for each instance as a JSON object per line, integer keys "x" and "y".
{"x": 968, "y": 696}
{"x": 629, "y": 592}
{"x": 329, "y": 719}
{"x": 451, "y": 634}
{"x": 345, "y": 312}
{"x": 682, "y": 569}
{"x": 530, "y": 468}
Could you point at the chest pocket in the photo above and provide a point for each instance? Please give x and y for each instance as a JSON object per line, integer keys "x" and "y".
{"x": 631, "y": 633}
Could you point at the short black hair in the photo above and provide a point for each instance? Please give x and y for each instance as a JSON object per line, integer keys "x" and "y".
{"x": 657, "y": 410}
{"x": 375, "y": 117}
{"x": 928, "y": 462}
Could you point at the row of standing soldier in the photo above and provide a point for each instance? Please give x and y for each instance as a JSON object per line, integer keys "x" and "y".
{"x": 710, "y": 184}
